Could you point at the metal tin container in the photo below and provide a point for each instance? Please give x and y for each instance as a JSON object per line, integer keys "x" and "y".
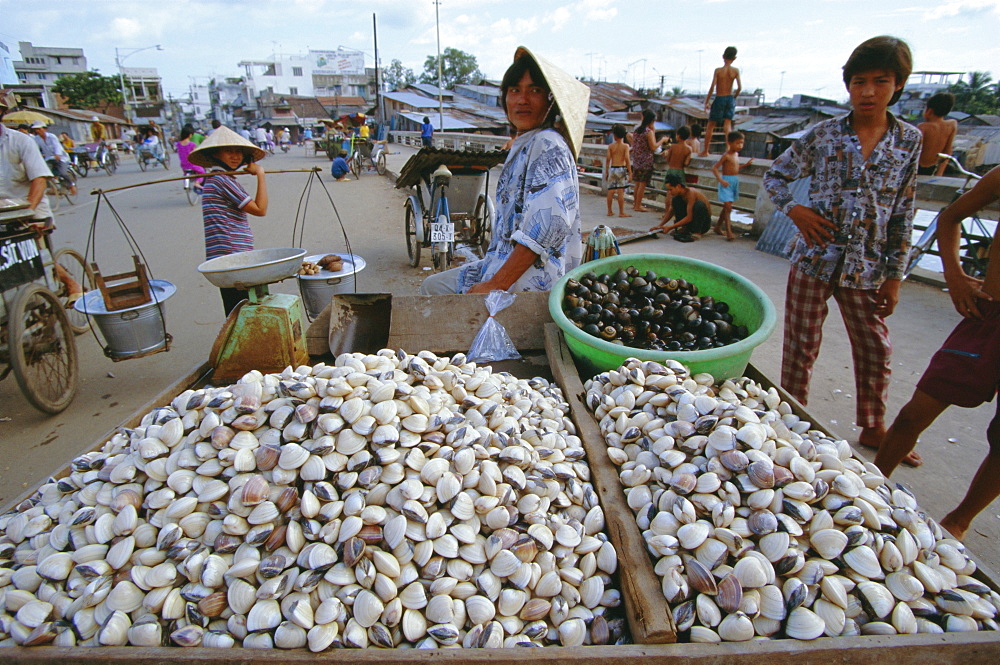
{"x": 317, "y": 290}
{"x": 135, "y": 331}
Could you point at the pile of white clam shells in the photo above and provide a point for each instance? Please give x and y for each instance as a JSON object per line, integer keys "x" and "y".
{"x": 760, "y": 527}
{"x": 388, "y": 500}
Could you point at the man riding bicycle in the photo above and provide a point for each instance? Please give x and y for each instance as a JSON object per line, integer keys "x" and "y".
{"x": 54, "y": 154}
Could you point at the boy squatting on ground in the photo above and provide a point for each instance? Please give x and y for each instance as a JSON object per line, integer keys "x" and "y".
{"x": 854, "y": 236}
{"x": 724, "y": 105}
{"x": 339, "y": 168}
{"x": 619, "y": 167}
{"x": 729, "y": 182}
{"x": 966, "y": 370}
{"x": 689, "y": 206}
{"x": 939, "y": 134}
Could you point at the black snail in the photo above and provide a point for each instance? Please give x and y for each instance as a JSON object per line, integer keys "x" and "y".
{"x": 647, "y": 311}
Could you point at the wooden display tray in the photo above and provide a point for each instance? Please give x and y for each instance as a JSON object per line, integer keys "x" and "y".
{"x": 645, "y": 607}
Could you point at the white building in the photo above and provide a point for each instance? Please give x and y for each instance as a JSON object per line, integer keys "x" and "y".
{"x": 144, "y": 94}
{"x": 314, "y": 74}
{"x": 42, "y": 66}
{"x": 7, "y": 74}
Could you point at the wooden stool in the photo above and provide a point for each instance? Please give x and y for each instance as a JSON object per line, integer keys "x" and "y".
{"x": 124, "y": 290}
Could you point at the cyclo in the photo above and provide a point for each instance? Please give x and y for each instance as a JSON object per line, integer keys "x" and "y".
{"x": 36, "y": 329}
{"x": 369, "y": 155}
{"x": 456, "y": 207}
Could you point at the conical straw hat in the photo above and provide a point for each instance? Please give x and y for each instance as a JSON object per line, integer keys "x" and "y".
{"x": 572, "y": 96}
{"x": 223, "y": 137}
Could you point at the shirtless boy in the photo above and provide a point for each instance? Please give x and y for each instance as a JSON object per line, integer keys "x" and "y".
{"x": 679, "y": 153}
{"x": 727, "y": 172}
{"x": 724, "y": 105}
{"x": 939, "y": 134}
{"x": 619, "y": 168}
{"x": 966, "y": 370}
{"x": 689, "y": 206}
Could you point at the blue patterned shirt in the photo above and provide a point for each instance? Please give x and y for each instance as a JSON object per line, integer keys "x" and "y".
{"x": 871, "y": 201}
{"x": 538, "y": 206}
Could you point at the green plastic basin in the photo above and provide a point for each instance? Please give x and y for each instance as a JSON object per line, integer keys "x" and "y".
{"x": 748, "y": 304}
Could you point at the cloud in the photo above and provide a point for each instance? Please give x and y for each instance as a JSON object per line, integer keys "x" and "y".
{"x": 126, "y": 29}
{"x": 953, "y": 8}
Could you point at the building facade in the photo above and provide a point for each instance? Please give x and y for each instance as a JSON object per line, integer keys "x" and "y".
{"x": 42, "y": 66}
{"x": 144, "y": 94}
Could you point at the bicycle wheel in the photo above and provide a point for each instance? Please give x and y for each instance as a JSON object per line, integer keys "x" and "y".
{"x": 52, "y": 192}
{"x": 110, "y": 163}
{"x": 166, "y": 159}
{"x": 482, "y": 220}
{"x": 410, "y": 229}
{"x": 77, "y": 268}
{"x": 921, "y": 247}
{"x": 356, "y": 166}
{"x": 66, "y": 193}
{"x": 380, "y": 163}
{"x": 81, "y": 167}
{"x": 142, "y": 163}
{"x": 41, "y": 348}
{"x": 192, "y": 196}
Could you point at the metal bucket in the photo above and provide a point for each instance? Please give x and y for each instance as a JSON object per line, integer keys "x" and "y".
{"x": 135, "y": 331}
{"x": 318, "y": 290}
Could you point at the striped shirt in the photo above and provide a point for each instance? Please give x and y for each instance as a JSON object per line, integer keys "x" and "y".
{"x": 226, "y": 227}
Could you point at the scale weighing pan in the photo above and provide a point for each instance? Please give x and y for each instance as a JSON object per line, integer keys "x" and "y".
{"x": 244, "y": 270}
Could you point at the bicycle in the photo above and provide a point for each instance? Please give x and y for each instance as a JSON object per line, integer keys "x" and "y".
{"x": 146, "y": 155}
{"x": 36, "y": 333}
{"x": 191, "y": 187}
{"x": 974, "y": 245}
{"x": 59, "y": 186}
{"x": 106, "y": 158}
{"x": 368, "y": 155}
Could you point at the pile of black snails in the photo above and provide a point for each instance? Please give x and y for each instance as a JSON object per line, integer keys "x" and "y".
{"x": 647, "y": 311}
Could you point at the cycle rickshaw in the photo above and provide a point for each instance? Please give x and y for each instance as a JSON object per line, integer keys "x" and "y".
{"x": 36, "y": 329}
{"x": 369, "y": 155}
{"x": 450, "y": 204}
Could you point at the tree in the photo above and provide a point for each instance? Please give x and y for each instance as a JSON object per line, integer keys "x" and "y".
{"x": 976, "y": 95}
{"x": 677, "y": 91}
{"x": 397, "y": 76}
{"x": 457, "y": 67}
{"x": 90, "y": 90}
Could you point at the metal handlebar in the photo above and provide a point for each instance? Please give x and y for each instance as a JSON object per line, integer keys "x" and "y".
{"x": 958, "y": 165}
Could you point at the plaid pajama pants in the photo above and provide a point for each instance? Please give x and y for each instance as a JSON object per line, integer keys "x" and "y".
{"x": 805, "y": 311}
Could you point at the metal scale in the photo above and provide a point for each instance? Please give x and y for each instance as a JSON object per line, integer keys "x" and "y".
{"x": 264, "y": 332}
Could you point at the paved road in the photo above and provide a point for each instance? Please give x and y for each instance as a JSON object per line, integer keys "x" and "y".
{"x": 169, "y": 234}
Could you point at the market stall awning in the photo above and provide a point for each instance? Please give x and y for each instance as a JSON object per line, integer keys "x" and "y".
{"x": 450, "y": 123}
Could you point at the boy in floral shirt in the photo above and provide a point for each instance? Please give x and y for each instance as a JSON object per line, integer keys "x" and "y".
{"x": 854, "y": 236}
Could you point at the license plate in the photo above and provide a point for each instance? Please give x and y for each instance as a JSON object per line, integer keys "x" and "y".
{"x": 442, "y": 232}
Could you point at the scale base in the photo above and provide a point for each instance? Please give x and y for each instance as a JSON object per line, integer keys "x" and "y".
{"x": 263, "y": 333}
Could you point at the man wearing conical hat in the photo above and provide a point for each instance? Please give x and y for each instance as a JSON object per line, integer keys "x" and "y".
{"x": 536, "y": 236}
{"x": 224, "y": 203}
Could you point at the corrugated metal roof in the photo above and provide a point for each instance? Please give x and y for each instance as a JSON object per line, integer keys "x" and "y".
{"x": 413, "y": 99}
{"x": 450, "y": 122}
{"x": 429, "y": 90}
{"x": 428, "y": 159}
{"x": 79, "y": 114}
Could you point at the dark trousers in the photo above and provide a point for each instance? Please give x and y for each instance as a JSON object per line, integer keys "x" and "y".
{"x": 231, "y": 298}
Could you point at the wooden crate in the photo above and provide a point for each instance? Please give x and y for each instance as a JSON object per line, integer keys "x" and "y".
{"x": 646, "y": 610}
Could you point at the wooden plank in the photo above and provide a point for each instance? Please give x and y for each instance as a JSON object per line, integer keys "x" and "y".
{"x": 952, "y": 648}
{"x": 647, "y": 611}
{"x": 444, "y": 324}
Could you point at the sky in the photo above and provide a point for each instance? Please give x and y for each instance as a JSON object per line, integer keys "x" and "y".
{"x": 785, "y": 46}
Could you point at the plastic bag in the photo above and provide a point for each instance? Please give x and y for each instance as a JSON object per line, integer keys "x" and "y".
{"x": 492, "y": 341}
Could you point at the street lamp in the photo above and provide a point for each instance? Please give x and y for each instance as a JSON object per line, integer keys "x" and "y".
{"x": 119, "y": 59}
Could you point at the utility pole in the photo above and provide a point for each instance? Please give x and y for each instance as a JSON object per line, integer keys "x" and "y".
{"x": 437, "y": 20}
{"x": 379, "y": 116}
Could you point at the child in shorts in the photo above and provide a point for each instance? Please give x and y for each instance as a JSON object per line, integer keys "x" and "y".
{"x": 966, "y": 370}
{"x": 689, "y": 207}
{"x": 729, "y": 182}
{"x": 619, "y": 167}
{"x": 679, "y": 153}
{"x": 726, "y": 85}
